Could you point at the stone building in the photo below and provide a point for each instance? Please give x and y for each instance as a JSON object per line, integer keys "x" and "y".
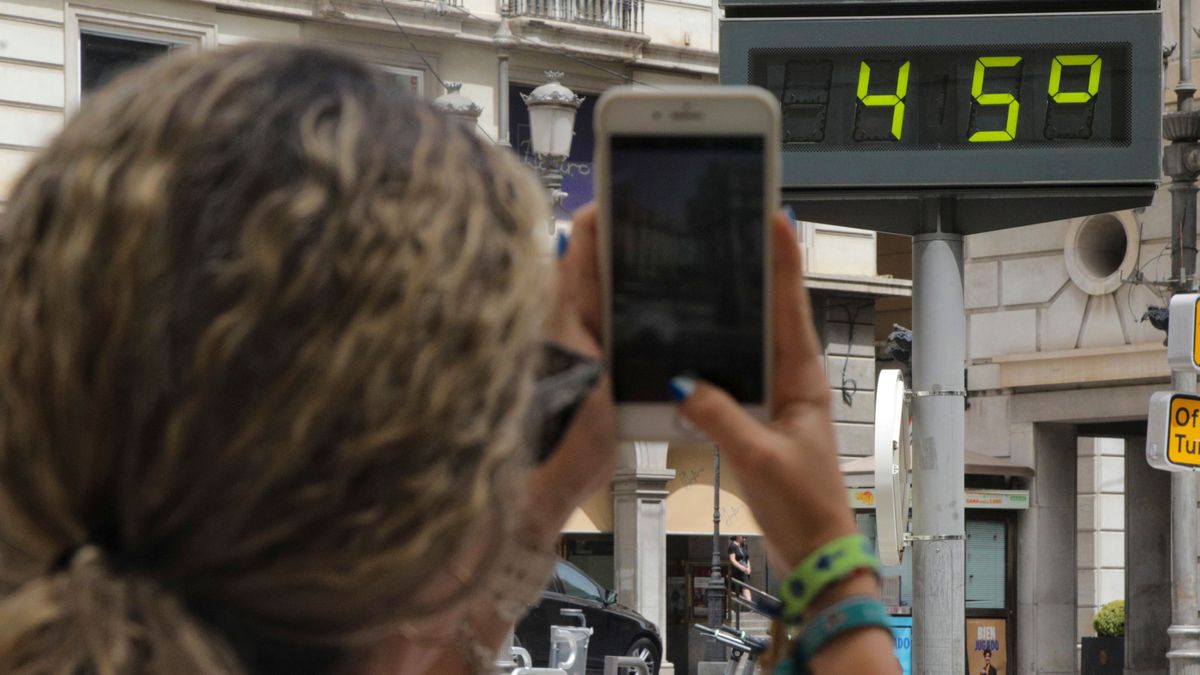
{"x": 1060, "y": 369}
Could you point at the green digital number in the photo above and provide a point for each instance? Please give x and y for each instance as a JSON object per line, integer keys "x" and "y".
{"x": 978, "y": 98}
{"x": 1093, "y": 85}
{"x": 1071, "y": 114}
{"x": 894, "y": 101}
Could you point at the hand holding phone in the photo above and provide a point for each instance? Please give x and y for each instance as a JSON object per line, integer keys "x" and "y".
{"x": 687, "y": 180}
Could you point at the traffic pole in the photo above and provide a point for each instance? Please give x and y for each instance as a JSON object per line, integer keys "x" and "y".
{"x": 1181, "y": 161}
{"x": 938, "y": 530}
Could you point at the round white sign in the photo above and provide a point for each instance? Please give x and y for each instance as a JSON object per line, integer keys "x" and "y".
{"x": 892, "y": 461}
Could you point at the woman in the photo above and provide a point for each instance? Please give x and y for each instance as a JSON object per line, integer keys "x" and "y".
{"x": 268, "y": 336}
{"x": 739, "y": 564}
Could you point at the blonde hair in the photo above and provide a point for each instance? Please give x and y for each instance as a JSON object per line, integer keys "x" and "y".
{"x": 267, "y": 332}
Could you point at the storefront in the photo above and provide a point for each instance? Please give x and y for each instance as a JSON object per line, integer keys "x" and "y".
{"x": 993, "y": 503}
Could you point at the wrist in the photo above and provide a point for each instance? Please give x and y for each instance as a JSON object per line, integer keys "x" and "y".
{"x": 862, "y": 585}
{"x": 834, "y": 569}
{"x": 835, "y": 526}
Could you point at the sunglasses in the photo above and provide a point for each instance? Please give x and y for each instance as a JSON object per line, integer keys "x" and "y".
{"x": 563, "y": 381}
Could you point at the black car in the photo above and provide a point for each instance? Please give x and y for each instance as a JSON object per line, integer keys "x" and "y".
{"x": 617, "y": 630}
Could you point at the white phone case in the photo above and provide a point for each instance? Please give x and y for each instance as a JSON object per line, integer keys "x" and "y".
{"x": 684, "y": 111}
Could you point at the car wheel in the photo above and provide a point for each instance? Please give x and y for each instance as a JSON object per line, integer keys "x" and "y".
{"x": 647, "y": 651}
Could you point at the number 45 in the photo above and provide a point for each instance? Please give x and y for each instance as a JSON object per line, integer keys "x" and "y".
{"x": 1053, "y": 90}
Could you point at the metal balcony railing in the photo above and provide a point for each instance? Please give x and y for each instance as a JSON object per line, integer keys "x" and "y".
{"x": 626, "y": 15}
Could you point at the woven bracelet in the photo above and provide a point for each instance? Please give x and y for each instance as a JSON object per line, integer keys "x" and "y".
{"x": 834, "y": 562}
{"x": 847, "y": 615}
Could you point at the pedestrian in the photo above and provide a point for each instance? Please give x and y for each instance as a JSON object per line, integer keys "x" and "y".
{"x": 739, "y": 565}
{"x": 269, "y": 335}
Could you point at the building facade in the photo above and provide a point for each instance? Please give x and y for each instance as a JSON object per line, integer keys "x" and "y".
{"x": 1061, "y": 364}
{"x": 53, "y": 51}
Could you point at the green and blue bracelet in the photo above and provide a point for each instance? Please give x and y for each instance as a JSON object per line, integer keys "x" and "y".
{"x": 847, "y": 615}
{"x": 828, "y": 565}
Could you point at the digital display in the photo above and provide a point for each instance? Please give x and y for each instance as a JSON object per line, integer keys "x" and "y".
{"x": 1065, "y": 101}
{"x": 687, "y": 264}
{"x": 993, "y": 97}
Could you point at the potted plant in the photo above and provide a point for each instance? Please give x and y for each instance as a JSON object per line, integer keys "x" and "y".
{"x": 1105, "y": 653}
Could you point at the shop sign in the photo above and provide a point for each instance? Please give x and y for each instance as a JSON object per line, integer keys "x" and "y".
{"x": 902, "y": 633}
{"x": 862, "y": 498}
{"x": 987, "y": 646}
{"x": 997, "y": 499}
{"x": 1012, "y": 500}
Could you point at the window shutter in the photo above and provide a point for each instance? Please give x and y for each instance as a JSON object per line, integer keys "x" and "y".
{"x": 986, "y": 546}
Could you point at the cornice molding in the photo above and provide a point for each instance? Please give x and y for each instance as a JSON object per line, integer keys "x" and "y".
{"x": 534, "y": 35}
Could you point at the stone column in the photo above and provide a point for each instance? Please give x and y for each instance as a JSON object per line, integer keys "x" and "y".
{"x": 1101, "y": 527}
{"x": 1148, "y": 574}
{"x": 640, "y": 533}
{"x": 1046, "y": 551}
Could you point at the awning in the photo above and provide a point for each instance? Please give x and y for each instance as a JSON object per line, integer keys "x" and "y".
{"x": 977, "y": 464}
{"x": 688, "y": 503}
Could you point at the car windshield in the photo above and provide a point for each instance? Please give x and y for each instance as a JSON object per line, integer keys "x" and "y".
{"x": 578, "y": 585}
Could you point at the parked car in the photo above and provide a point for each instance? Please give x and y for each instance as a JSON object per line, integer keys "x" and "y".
{"x": 617, "y": 630}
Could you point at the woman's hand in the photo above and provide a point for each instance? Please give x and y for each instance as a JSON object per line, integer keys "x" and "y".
{"x": 587, "y": 457}
{"x": 789, "y": 467}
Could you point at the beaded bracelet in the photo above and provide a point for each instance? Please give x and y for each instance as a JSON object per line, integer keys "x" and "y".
{"x": 830, "y": 564}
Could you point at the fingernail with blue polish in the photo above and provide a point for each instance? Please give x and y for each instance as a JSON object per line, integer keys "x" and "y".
{"x": 791, "y": 214}
{"x": 562, "y": 240}
{"x": 682, "y": 388}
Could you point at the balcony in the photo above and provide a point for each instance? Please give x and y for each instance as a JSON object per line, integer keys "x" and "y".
{"x": 624, "y": 15}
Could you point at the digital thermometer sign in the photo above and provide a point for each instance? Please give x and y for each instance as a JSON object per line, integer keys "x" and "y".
{"x": 1057, "y": 96}
{"x": 1069, "y": 104}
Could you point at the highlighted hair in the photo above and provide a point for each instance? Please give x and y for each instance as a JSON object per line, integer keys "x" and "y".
{"x": 267, "y": 330}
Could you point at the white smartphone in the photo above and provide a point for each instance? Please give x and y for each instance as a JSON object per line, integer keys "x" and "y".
{"x": 687, "y": 180}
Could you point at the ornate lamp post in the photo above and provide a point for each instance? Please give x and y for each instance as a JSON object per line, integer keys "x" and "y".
{"x": 713, "y": 650}
{"x": 552, "y": 109}
{"x": 460, "y": 108}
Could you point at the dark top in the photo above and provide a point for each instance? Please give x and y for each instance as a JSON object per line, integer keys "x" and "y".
{"x": 742, "y": 556}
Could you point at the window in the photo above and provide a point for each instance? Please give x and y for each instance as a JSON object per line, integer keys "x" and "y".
{"x": 102, "y": 43}
{"x": 986, "y": 551}
{"x": 103, "y": 57}
{"x": 986, "y": 540}
{"x": 577, "y": 585}
{"x": 410, "y": 80}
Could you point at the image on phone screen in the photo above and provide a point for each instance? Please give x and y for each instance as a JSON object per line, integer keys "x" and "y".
{"x": 687, "y": 264}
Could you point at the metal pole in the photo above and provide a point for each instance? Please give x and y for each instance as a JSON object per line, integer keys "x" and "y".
{"x": 939, "y": 355}
{"x": 1184, "y": 657}
{"x": 1180, "y": 162}
{"x": 713, "y": 650}
{"x": 1185, "y": 89}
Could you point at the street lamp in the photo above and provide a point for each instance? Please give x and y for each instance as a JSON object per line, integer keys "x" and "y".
{"x": 713, "y": 651}
{"x": 457, "y": 106}
{"x": 552, "y": 109}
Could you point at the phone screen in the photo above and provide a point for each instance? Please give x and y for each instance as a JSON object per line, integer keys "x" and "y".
{"x": 687, "y": 264}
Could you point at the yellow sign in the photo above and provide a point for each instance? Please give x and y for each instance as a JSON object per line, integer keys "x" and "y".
{"x": 1184, "y": 432}
{"x": 1196, "y": 336}
{"x": 862, "y": 499}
